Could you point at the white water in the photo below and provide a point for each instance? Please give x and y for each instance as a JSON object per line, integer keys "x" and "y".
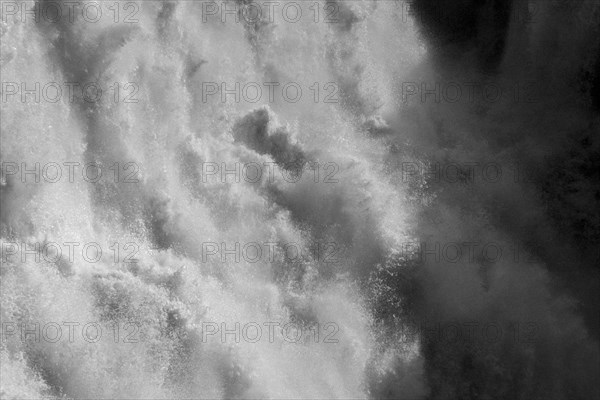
{"x": 171, "y": 291}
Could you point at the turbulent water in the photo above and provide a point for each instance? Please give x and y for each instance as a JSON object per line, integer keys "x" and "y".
{"x": 156, "y": 301}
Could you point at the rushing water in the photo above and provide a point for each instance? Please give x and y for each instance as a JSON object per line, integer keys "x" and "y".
{"x": 163, "y": 133}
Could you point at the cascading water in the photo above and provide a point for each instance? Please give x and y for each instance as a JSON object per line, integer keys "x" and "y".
{"x": 242, "y": 173}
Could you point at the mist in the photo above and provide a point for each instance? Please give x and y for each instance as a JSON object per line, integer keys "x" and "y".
{"x": 329, "y": 199}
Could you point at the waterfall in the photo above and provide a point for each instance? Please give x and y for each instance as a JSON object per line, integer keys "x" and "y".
{"x": 243, "y": 199}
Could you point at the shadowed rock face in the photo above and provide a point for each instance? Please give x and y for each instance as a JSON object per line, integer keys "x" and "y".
{"x": 555, "y": 138}
{"x": 462, "y": 26}
{"x": 595, "y": 87}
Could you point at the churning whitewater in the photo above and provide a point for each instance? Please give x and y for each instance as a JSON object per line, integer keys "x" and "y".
{"x": 231, "y": 200}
